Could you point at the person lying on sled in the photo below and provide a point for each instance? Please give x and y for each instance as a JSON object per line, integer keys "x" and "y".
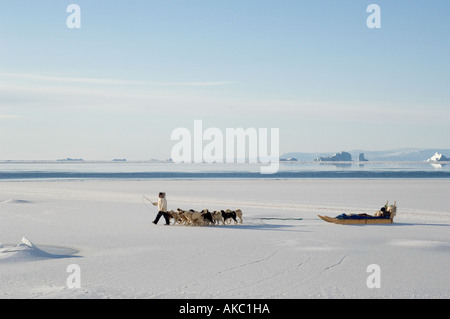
{"x": 382, "y": 213}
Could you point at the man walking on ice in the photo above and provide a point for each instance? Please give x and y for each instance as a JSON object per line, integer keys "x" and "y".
{"x": 162, "y": 209}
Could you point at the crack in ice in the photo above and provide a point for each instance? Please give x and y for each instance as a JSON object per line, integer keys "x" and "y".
{"x": 334, "y": 265}
{"x": 250, "y": 263}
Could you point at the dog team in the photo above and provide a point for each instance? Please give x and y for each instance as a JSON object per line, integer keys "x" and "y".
{"x": 205, "y": 217}
{"x": 195, "y": 218}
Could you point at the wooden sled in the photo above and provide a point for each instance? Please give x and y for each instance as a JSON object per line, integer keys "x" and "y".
{"x": 392, "y": 209}
{"x": 359, "y": 221}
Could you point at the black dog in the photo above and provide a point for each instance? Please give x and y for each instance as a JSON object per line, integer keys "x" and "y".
{"x": 207, "y": 216}
{"x": 227, "y": 215}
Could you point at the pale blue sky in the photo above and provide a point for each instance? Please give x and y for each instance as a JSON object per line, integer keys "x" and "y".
{"x": 136, "y": 70}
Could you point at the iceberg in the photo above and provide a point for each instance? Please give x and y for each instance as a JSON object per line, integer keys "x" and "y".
{"x": 438, "y": 158}
{"x": 338, "y": 157}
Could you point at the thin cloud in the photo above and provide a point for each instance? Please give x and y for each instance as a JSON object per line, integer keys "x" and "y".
{"x": 60, "y": 79}
{"x": 11, "y": 117}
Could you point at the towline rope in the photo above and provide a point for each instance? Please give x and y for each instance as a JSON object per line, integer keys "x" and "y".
{"x": 273, "y": 218}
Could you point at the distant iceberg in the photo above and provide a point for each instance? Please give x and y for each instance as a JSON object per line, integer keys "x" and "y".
{"x": 438, "y": 158}
{"x": 362, "y": 158}
{"x": 338, "y": 157}
{"x": 70, "y": 160}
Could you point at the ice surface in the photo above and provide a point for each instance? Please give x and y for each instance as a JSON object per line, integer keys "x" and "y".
{"x": 121, "y": 254}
